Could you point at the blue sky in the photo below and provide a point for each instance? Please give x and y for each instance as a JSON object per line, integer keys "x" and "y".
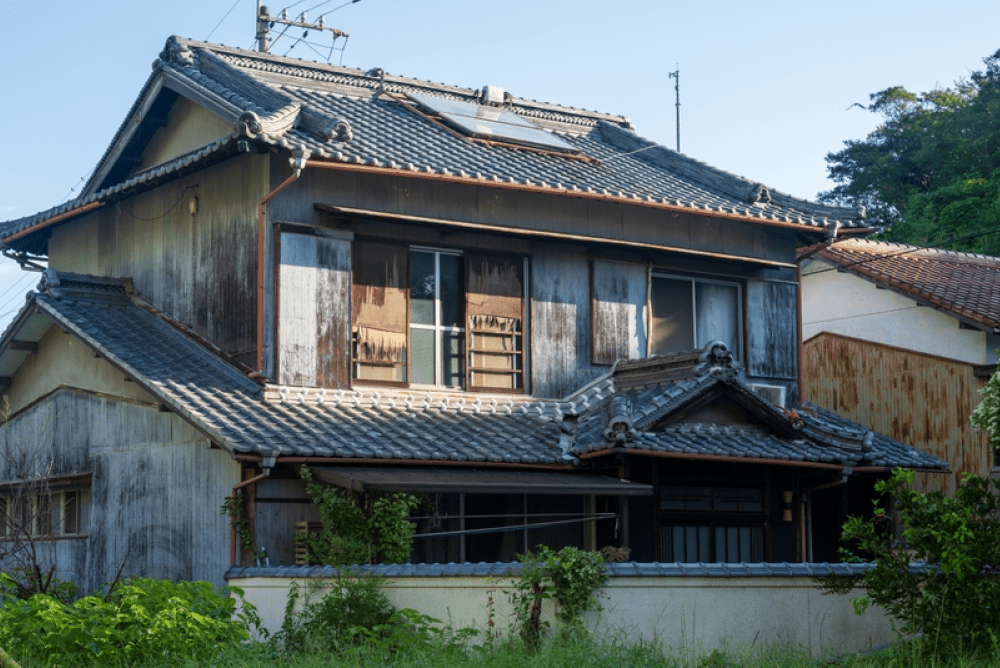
{"x": 765, "y": 87}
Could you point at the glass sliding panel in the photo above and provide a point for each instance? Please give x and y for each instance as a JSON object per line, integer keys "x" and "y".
{"x": 71, "y": 513}
{"x": 718, "y": 314}
{"x": 422, "y": 288}
{"x": 672, "y": 316}
{"x": 453, "y": 362}
{"x": 452, "y": 292}
{"x": 423, "y": 358}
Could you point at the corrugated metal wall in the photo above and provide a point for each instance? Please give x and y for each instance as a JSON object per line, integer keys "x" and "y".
{"x": 921, "y": 400}
{"x": 155, "y": 494}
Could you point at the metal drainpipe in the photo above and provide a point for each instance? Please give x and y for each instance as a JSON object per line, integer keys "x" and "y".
{"x": 261, "y": 211}
{"x": 232, "y": 527}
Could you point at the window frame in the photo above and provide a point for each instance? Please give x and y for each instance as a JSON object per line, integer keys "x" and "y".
{"x": 437, "y": 327}
{"x": 518, "y": 354}
{"x": 711, "y": 518}
{"x": 46, "y": 512}
{"x": 737, "y": 348}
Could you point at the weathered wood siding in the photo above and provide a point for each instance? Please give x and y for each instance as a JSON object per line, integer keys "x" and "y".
{"x": 772, "y": 330}
{"x": 314, "y": 326}
{"x": 155, "y": 493}
{"x": 199, "y": 268}
{"x": 921, "y": 400}
{"x": 618, "y": 305}
{"x": 560, "y": 321}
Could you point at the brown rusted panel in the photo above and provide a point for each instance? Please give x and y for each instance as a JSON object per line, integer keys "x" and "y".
{"x": 379, "y": 315}
{"x": 921, "y": 400}
{"x": 618, "y": 308}
{"x": 495, "y": 328}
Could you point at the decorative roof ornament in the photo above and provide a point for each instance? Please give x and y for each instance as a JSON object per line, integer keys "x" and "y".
{"x": 176, "y": 51}
{"x": 620, "y": 429}
{"x": 339, "y": 130}
{"x": 759, "y": 194}
{"x": 268, "y": 127}
{"x": 49, "y": 284}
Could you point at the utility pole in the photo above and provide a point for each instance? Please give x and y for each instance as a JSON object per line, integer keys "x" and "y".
{"x": 676, "y": 75}
{"x": 265, "y": 22}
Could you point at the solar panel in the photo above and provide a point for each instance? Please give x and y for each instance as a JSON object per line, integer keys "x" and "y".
{"x": 491, "y": 123}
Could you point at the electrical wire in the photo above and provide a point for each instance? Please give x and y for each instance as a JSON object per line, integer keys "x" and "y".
{"x": 862, "y": 315}
{"x": 223, "y": 19}
{"x": 15, "y": 285}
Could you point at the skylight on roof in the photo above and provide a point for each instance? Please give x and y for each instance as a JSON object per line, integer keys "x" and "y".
{"x": 485, "y": 122}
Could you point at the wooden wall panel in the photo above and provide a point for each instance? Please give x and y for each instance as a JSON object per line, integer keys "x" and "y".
{"x": 618, "y": 306}
{"x": 921, "y": 400}
{"x": 772, "y": 330}
{"x": 200, "y": 268}
{"x": 560, "y": 321}
{"x": 314, "y": 333}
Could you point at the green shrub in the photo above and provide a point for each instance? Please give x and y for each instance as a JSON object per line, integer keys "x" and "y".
{"x": 953, "y": 599}
{"x": 139, "y": 622}
{"x": 353, "y": 601}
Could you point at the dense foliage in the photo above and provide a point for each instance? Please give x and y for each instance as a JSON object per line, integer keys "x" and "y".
{"x": 952, "y": 594}
{"x": 929, "y": 172}
{"x": 140, "y": 622}
{"x": 359, "y": 528}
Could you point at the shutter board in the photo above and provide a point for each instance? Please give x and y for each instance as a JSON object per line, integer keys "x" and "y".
{"x": 379, "y": 311}
{"x": 618, "y": 311}
{"x": 495, "y": 322}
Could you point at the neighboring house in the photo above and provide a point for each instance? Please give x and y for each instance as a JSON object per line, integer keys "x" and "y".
{"x": 901, "y": 339}
{"x": 560, "y": 331}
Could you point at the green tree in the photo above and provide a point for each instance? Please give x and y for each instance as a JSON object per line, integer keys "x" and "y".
{"x": 928, "y": 172}
{"x": 942, "y": 581}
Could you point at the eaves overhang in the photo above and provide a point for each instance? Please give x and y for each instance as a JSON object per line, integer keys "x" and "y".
{"x": 547, "y": 234}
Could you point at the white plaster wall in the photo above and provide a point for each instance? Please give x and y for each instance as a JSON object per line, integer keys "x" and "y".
{"x": 843, "y": 303}
{"x": 680, "y": 612}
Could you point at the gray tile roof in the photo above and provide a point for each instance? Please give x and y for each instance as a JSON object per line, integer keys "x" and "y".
{"x": 644, "y": 411}
{"x": 623, "y": 411}
{"x": 297, "y": 105}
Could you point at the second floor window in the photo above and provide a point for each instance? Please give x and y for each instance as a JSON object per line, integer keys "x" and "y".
{"x": 688, "y": 313}
{"x": 437, "y": 317}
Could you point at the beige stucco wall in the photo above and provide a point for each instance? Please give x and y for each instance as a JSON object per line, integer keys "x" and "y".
{"x": 189, "y": 127}
{"x": 843, "y": 303}
{"x": 62, "y": 360}
{"x": 680, "y": 612}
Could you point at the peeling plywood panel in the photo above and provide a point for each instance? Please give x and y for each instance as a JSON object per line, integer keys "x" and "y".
{"x": 919, "y": 399}
{"x": 772, "y": 329}
{"x": 314, "y": 334}
{"x": 379, "y": 310}
{"x": 619, "y": 311}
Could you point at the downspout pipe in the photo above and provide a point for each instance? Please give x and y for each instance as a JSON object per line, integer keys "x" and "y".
{"x": 805, "y": 504}
{"x": 268, "y": 463}
{"x": 298, "y": 162}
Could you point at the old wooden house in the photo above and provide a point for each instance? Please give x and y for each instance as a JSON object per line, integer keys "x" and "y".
{"x": 558, "y": 330}
{"x": 901, "y": 339}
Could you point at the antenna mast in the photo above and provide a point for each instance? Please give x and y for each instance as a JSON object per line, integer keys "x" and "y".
{"x": 265, "y": 22}
{"x": 676, "y": 75}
